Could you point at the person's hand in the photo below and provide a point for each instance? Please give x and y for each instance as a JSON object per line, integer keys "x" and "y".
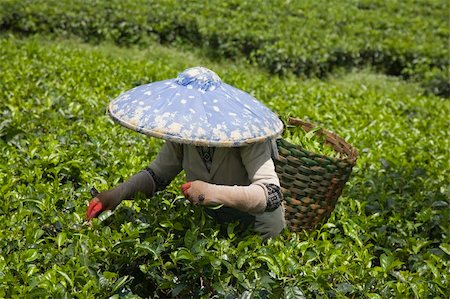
{"x": 142, "y": 182}
{"x": 102, "y": 202}
{"x": 198, "y": 192}
{"x": 94, "y": 209}
{"x": 184, "y": 188}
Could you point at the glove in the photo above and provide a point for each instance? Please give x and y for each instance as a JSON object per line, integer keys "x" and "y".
{"x": 141, "y": 182}
{"x": 251, "y": 198}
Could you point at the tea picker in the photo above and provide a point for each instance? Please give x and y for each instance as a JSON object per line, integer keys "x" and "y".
{"x": 222, "y": 137}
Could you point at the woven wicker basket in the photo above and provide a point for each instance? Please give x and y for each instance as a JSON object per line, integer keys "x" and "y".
{"x": 311, "y": 183}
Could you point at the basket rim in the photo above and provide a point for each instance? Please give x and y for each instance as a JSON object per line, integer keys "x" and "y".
{"x": 351, "y": 153}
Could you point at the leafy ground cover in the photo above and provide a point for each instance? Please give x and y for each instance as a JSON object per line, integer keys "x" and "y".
{"x": 388, "y": 236}
{"x": 309, "y": 38}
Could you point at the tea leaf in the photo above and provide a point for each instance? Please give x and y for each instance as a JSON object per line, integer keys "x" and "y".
{"x": 293, "y": 292}
{"x": 445, "y": 247}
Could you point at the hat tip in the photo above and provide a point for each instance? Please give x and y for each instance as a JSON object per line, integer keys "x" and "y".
{"x": 199, "y": 77}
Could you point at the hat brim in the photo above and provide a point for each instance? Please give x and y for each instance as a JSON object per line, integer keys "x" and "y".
{"x": 223, "y": 117}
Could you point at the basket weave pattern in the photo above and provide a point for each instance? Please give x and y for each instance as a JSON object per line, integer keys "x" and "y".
{"x": 311, "y": 183}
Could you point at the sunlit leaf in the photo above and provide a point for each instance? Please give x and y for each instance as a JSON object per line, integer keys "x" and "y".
{"x": 293, "y": 292}
{"x": 445, "y": 247}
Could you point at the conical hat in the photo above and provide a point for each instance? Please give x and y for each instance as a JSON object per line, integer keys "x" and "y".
{"x": 196, "y": 108}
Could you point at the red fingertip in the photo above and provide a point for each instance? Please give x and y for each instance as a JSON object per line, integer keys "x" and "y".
{"x": 89, "y": 209}
{"x": 185, "y": 188}
{"x": 94, "y": 208}
{"x": 98, "y": 208}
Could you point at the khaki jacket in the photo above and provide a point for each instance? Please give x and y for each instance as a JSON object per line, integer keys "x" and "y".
{"x": 241, "y": 166}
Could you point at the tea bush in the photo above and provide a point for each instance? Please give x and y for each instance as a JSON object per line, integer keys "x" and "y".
{"x": 388, "y": 236}
{"x": 309, "y": 38}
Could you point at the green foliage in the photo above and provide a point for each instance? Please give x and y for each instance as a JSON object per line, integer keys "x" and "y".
{"x": 312, "y": 141}
{"x": 388, "y": 236}
{"x": 308, "y": 38}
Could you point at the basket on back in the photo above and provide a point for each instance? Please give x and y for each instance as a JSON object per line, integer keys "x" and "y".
{"x": 311, "y": 183}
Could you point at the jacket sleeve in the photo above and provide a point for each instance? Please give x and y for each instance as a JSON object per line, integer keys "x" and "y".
{"x": 263, "y": 194}
{"x": 259, "y": 164}
{"x": 167, "y": 164}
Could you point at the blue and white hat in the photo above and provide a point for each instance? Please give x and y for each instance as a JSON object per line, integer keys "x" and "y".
{"x": 196, "y": 108}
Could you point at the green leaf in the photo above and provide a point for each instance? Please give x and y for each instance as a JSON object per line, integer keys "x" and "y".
{"x": 312, "y": 133}
{"x": 271, "y": 263}
{"x": 329, "y": 225}
{"x": 148, "y": 249}
{"x": 352, "y": 229}
{"x": 178, "y": 226}
{"x": 246, "y": 295}
{"x": 30, "y": 255}
{"x": 433, "y": 268}
{"x": 110, "y": 275}
{"x": 166, "y": 224}
{"x": 190, "y": 237}
{"x": 386, "y": 262}
{"x": 61, "y": 239}
{"x": 66, "y": 277}
{"x": 105, "y": 215}
{"x": 344, "y": 288}
{"x": 181, "y": 254}
{"x": 445, "y": 248}
{"x": 178, "y": 289}
{"x": 120, "y": 283}
{"x": 125, "y": 244}
{"x": 293, "y": 292}
{"x": 440, "y": 205}
{"x": 215, "y": 207}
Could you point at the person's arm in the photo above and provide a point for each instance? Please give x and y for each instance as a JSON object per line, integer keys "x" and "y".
{"x": 263, "y": 194}
{"x": 156, "y": 177}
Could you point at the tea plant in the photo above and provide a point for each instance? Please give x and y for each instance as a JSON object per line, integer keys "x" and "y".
{"x": 309, "y": 38}
{"x": 388, "y": 236}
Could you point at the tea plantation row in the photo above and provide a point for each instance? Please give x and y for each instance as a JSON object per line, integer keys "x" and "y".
{"x": 310, "y": 38}
{"x": 388, "y": 236}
